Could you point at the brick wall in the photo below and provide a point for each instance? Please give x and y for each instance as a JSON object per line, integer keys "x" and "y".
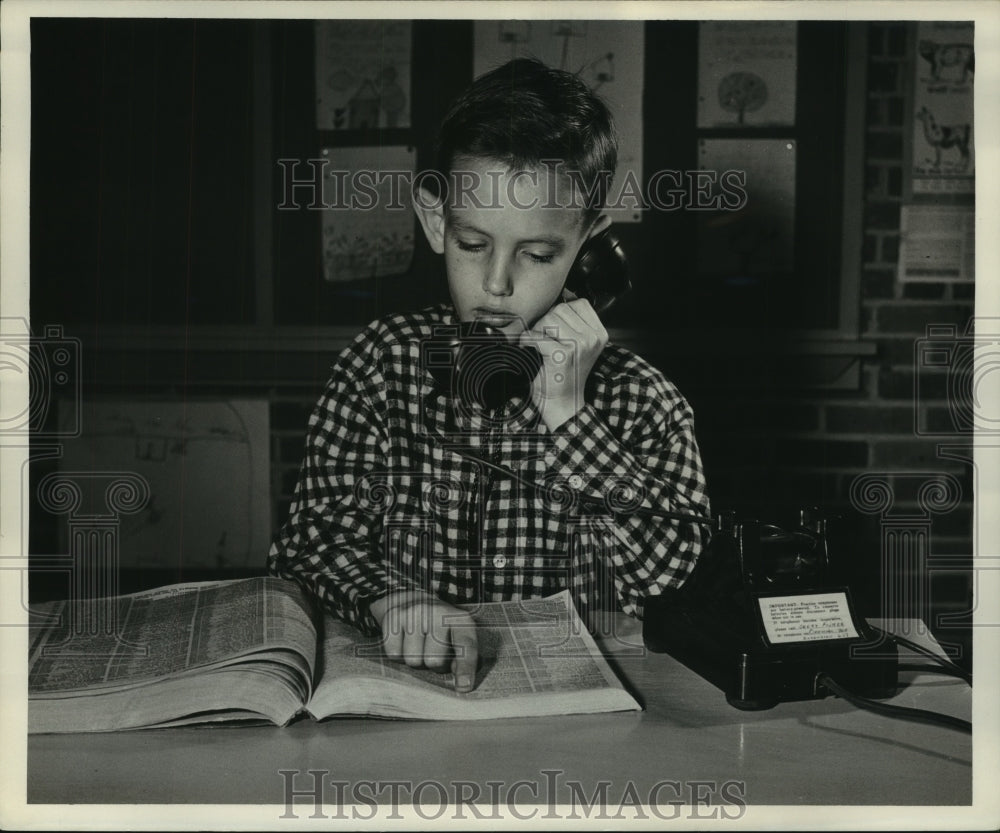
{"x": 781, "y": 451}
{"x": 901, "y": 402}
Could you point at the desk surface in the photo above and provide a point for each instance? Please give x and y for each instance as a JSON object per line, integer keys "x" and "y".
{"x": 816, "y": 752}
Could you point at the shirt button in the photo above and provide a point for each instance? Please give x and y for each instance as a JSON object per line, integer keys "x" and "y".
{"x": 499, "y": 561}
{"x": 576, "y": 481}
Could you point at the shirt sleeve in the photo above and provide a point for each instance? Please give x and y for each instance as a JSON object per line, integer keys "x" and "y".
{"x": 326, "y": 543}
{"x": 650, "y": 461}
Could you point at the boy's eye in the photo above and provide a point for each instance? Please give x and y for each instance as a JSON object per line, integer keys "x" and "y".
{"x": 470, "y": 247}
{"x": 536, "y": 258}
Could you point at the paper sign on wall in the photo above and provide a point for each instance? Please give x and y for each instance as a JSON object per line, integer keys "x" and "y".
{"x": 368, "y": 221}
{"x": 746, "y": 73}
{"x": 362, "y": 74}
{"x": 207, "y": 467}
{"x": 937, "y": 243}
{"x": 943, "y": 151}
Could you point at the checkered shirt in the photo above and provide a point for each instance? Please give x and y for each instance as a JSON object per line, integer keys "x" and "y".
{"x": 390, "y": 498}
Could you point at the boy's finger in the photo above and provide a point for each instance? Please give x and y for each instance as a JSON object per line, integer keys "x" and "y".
{"x": 583, "y": 308}
{"x": 392, "y": 642}
{"x": 413, "y": 648}
{"x": 581, "y": 320}
{"x": 559, "y": 324}
{"x": 574, "y": 313}
{"x": 545, "y": 346}
{"x": 437, "y": 651}
{"x": 559, "y": 351}
{"x": 466, "y": 658}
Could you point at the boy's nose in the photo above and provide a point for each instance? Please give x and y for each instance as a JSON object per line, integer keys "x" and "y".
{"x": 498, "y": 278}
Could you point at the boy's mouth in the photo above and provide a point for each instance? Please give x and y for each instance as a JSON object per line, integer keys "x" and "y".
{"x": 494, "y": 318}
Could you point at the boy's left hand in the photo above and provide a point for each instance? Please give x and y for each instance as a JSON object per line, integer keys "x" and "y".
{"x": 570, "y": 337}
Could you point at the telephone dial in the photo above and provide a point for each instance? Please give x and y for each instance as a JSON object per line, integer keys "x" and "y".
{"x": 479, "y": 364}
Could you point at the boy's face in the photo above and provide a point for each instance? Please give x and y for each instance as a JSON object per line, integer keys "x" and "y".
{"x": 507, "y": 247}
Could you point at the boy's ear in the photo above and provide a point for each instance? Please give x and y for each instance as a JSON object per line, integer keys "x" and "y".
{"x": 599, "y": 225}
{"x": 430, "y": 211}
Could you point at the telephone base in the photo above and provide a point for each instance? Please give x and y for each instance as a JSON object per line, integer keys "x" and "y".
{"x": 763, "y": 616}
{"x": 755, "y": 676}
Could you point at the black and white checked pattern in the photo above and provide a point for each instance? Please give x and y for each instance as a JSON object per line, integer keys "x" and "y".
{"x": 385, "y": 500}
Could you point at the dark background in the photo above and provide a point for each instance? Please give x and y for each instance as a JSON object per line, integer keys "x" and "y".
{"x": 148, "y": 201}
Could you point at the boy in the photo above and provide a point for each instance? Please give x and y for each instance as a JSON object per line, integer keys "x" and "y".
{"x": 412, "y": 499}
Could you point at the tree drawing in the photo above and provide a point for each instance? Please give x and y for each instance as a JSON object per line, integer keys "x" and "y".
{"x": 741, "y": 93}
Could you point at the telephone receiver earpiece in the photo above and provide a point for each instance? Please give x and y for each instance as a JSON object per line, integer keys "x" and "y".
{"x": 600, "y": 271}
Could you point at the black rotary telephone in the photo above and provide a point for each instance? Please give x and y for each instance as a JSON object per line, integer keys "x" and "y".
{"x": 479, "y": 364}
{"x": 767, "y": 612}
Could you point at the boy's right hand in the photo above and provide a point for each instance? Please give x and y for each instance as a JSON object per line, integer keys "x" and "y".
{"x": 423, "y": 631}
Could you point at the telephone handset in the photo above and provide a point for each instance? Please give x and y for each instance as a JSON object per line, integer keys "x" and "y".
{"x": 479, "y": 364}
{"x": 600, "y": 272}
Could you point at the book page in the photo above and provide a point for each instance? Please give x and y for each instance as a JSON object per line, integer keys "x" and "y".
{"x": 169, "y": 631}
{"x": 528, "y": 650}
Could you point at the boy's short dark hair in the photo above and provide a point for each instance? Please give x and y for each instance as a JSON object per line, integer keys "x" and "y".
{"x": 524, "y": 113}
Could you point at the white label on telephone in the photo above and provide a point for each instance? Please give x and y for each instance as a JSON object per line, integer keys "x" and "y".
{"x": 807, "y": 618}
